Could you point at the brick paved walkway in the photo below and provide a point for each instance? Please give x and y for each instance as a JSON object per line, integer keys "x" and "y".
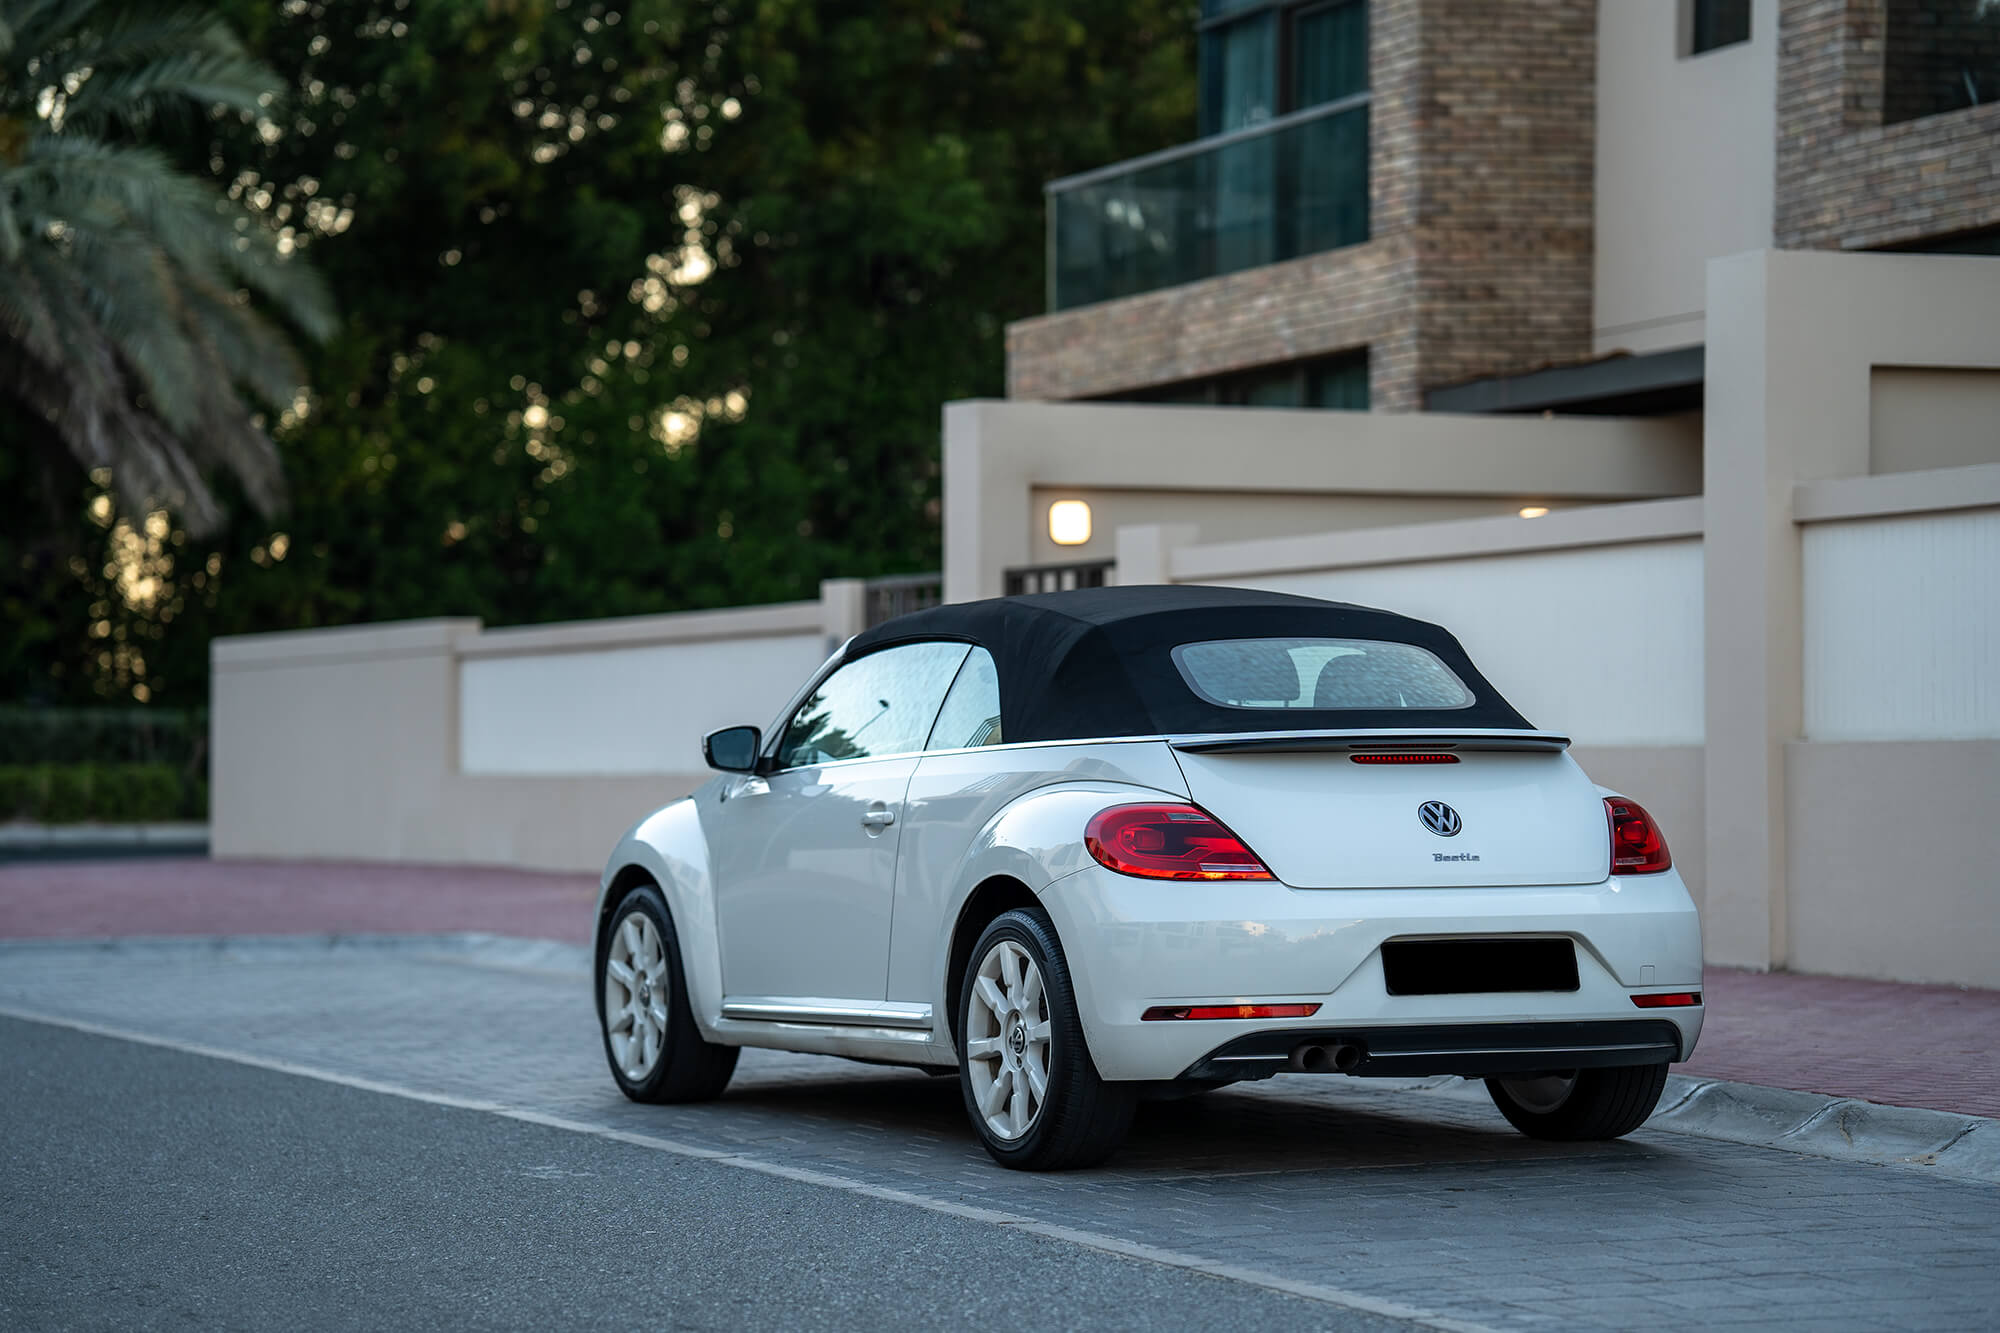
{"x": 1902, "y": 1045}
{"x": 194, "y": 896}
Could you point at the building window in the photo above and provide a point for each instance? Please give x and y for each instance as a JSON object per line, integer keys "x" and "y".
{"x": 1337, "y": 382}
{"x": 1282, "y": 169}
{"x": 1264, "y": 58}
{"x": 1718, "y": 23}
{"x": 1985, "y": 241}
{"x": 1939, "y": 56}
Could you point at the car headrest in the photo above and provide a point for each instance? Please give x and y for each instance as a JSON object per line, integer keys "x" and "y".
{"x": 1362, "y": 680}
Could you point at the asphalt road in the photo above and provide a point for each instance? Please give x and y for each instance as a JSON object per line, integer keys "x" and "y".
{"x": 148, "y": 1188}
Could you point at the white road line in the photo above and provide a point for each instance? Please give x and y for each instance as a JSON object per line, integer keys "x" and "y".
{"x": 1092, "y": 1240}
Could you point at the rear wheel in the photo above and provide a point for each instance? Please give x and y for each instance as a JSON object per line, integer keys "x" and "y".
{"x": 1029, "y": 1084}
{"x": 656, "y": 1052}
{"x": 1580, "y": 1104}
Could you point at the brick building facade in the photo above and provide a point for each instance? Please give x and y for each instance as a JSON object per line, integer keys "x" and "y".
{"x": 1479, "y": 198}
{"x": 1856, "y": 172}
{"x": 1483, "y": 167}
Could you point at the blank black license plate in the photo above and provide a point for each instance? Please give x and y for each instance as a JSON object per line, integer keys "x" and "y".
{"x": 1478, "y": 967}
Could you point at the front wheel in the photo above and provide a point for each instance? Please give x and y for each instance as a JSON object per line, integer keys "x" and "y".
{"x": 1580, "y": 1104}
{"x": 656, "y": 1052}
{"x": 1029, "y": 1084}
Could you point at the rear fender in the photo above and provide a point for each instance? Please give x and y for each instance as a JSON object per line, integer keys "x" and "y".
{"x": 1035, "y": 840}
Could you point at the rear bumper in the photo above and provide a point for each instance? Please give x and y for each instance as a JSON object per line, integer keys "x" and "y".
{"x": 1135, "y": 944}
{"x": 1470, "y": 1049}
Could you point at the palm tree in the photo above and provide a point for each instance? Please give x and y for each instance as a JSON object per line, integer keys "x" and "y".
{"x": 128, "y": 331}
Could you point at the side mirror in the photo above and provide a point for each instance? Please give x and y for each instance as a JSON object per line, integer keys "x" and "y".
{"x": 732, "y": 749}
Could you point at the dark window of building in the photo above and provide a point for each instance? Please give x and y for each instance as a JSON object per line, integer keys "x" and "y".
{"x": 1983, "y": 242}
{"x": 1341, "y": 384}
{"x": 1719, "y": 23}
{"x": 1239, "y": 77}
{"x": 1337, "y": 382}
{"x": 1939, "y": 56}
{"x": 1281, "y": 170}
{"x": 1264, "y": 58}
{"x": 1329, "y": 53}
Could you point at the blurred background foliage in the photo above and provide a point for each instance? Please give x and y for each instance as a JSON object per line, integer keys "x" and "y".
{"x": 643, "y": 306}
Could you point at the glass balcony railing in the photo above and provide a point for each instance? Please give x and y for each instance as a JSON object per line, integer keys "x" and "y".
{"x": 1289, "y": 187}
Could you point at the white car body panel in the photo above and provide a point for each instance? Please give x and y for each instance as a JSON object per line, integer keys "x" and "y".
{"x": 1321, "y": 821}
{"x": 1018, "y": 812}
{"x": 809, "y": 848}
{"x": 1009, "y": 811}
{"x": 1156, "y": 943}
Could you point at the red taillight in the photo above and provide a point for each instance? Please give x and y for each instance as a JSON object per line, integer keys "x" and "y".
{"x": 1169, "y": 842}
{"x": 1162, "y": 1012}
{"x": 1673, "y": 1000}
{"x": 1636, "y": 845}
{"x": 1404, "y": 758}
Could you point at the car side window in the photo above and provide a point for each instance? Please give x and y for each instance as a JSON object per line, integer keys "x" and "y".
{"x": 971, "y": 713}
{"x": 880, "y": 704}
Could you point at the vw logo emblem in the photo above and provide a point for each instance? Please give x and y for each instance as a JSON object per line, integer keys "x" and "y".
{"x": 1440, "y": 819}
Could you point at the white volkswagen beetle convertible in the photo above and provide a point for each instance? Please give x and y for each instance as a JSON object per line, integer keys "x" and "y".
{"x": 1096, "y": 846}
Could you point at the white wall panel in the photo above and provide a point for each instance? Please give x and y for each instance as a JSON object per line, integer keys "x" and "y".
{"x": 1902, "y": 628}
{"x": 622, "y": 710}
{"x": 1603, "y": 644}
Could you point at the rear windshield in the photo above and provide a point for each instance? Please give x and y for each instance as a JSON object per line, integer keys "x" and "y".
{"x": 1319, "y": 673}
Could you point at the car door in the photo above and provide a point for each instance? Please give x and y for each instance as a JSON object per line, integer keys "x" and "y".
{"x": 805, "y": 856}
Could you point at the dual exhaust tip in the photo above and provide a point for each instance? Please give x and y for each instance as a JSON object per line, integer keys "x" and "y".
{"x": 1314, "y": 1058}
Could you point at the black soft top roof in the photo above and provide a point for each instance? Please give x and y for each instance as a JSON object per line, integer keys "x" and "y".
{"x": 1098, "y": 661}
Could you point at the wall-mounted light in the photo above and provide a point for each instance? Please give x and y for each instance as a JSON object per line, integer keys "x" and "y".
{"x": 1533, "y": 511}
{"x": 1069, "y": 522}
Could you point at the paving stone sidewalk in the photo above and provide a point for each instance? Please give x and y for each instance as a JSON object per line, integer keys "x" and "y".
{"x": 1900, "y": 1045}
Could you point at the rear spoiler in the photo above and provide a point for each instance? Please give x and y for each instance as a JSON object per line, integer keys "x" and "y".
{"x": 1380, "y": 742}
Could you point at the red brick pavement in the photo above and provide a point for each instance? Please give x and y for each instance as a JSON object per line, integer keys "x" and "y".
{"x": 1905, "y": 1045}
{"x": 196, "y": 896}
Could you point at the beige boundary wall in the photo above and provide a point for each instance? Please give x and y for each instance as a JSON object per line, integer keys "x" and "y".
{"x": 1591, "y": 621}
{"x": 1267, "y": 471}
{"x": 437, "y": 740}
{"x": 1798, "y": 672}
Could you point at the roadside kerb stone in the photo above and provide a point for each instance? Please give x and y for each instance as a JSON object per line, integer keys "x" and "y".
{"x": 26, "y": 842}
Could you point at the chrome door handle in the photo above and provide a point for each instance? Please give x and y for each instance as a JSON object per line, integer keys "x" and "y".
{"x": 877, "y": 820}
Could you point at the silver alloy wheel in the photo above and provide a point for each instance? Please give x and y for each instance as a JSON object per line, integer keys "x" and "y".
{"x": 1007, "y": 1040}
{"x": 635, "y": 995}
{"x": 1542, "y": 1095}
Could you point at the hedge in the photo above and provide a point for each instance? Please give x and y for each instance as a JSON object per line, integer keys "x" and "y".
{"x": 106, "y": 793}
{"x": 174, "y": 736}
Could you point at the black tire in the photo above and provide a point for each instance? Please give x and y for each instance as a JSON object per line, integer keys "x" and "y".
{"x": 1083, "y": 1118}
{"x": 1599, "y": 1104}
{"x": 687, "y": 1068}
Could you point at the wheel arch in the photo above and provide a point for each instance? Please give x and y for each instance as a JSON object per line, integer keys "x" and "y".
{"x": 667, "y": 850}
{"x": 995, "y": 895}
{"x": 616, "y": 885}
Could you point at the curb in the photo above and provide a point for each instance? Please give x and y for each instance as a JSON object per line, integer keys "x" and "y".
{"x": 1844, "y": 1129}
{"x": 35, "y": 842}
{"x": 1847, "y": 1129}
{"x": 1965, "y": 1147}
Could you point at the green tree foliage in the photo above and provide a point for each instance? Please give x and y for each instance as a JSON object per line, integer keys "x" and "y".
{"x": 647, "y": 305}
{"x": 123, "y": 333}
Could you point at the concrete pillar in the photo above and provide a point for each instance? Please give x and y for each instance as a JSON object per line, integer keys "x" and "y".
{"x": 843, "y": 605}
{"x": 1146, "y": 552}
{"x": 1787, "y": 401}
{"x": 986, "y": 501}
